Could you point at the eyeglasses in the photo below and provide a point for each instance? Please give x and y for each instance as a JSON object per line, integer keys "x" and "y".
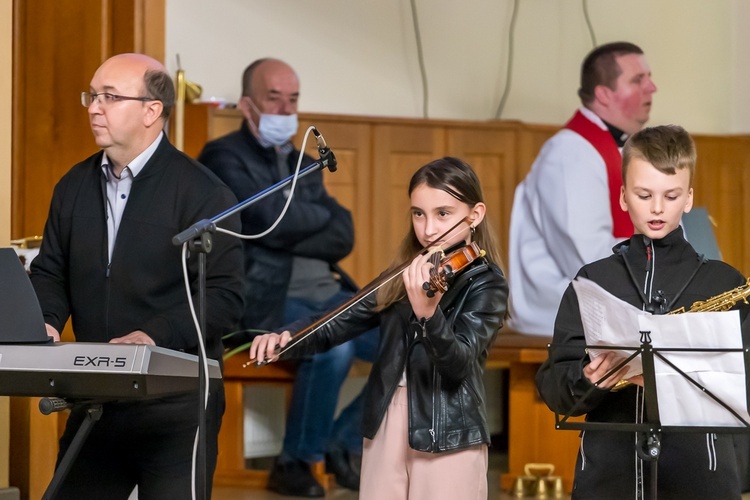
{"x": 105, "y": 98}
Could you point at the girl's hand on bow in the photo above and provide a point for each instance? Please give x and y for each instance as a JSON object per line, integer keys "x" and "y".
{"x": 265, "y": 347}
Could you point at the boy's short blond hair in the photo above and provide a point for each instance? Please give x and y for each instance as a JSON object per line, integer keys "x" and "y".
{"x": 668, "y": 148}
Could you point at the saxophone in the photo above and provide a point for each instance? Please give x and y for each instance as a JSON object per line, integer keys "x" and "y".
{"x": 722, "y": 302}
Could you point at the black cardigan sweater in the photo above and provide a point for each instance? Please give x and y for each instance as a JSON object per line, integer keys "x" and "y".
{"x": 142, "y": 287}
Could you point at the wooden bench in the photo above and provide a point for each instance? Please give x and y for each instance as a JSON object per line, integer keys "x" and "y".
{"x": 230, "y": 465}
{"x": 532, "y": 437}
{"x": 531, "y": 428}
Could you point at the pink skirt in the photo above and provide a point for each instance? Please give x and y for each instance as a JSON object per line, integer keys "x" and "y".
{"x": 391, "y": 469}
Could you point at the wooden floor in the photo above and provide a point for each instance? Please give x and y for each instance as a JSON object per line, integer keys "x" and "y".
{"x": 497, "y": 464}
{"x": 338, "y": 493}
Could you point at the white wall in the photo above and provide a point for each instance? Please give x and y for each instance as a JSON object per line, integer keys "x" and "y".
{"x": 359, "y": 57}
{"x": 739, "y": 65}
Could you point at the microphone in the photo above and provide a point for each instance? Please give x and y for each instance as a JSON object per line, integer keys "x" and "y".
{"x": 322, "y": 146}
{"x": 658, "y": 304}
{"x": 326, "y": 155}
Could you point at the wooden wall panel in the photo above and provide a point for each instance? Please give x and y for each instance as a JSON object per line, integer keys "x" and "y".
{"x": 204, "y": 122}
{"x": 491, "y": 150}
{"x": 531, "y": 138}
{"x": 722, "y": 185}
{"x": 398, "y": 151}
{"x": 502, "y": 153}
{"x": 349, "y": 184}
{"x": 134, "y": 26}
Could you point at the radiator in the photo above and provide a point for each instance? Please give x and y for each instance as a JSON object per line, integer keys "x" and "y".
{"x": 265, "y": 416}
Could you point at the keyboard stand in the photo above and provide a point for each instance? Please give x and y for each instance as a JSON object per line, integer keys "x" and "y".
{"x": 93, "y": 414}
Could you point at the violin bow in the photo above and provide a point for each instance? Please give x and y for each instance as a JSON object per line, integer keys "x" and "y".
{"x": 373, "y": 286}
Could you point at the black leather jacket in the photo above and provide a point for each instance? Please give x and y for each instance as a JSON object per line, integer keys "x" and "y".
{"x": 443, "y": 357}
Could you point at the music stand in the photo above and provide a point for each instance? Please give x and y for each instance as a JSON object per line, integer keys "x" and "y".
{"x": 652, "y": 427}
{"x": 22, "y": 319}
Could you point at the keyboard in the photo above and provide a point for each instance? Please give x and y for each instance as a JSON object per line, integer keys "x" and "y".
{"x": 80, "y": 370}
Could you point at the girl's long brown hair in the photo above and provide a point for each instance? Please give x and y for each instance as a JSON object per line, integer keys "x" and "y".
{"x": 457, "y": 178}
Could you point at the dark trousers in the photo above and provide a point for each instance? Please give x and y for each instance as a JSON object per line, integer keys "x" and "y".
{"x": 311, "y": 430}
{"x": 146, "y": 443}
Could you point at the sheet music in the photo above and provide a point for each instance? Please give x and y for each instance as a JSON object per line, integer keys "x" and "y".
{"x": 609, "y": 321}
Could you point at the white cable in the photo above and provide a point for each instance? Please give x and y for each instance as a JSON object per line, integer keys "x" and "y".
{"x": 420, "y": 59}
{"x": 286, "y": 205}
{"x": 202, "y": 348}
{"x": 509, "y": 71}
{"x": 589, "y": 25}
{"x": 193, "y": 314}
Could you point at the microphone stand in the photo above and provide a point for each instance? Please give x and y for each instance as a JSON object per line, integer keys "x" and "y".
{"x": 327, "y": 160}
{"x": 199, "y": 239}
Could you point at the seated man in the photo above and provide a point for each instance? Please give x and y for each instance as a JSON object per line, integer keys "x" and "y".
{"x": 292, "y": 272}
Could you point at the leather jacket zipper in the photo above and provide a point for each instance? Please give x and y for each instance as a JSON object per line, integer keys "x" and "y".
{"x": 435, "y": 402}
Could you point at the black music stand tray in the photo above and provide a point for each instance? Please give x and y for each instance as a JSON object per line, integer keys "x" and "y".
{"x": 651, "y": 427}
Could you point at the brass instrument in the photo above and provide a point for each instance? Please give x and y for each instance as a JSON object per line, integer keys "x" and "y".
{"x": 538, "y": 482}
{"x": 28, "y": 242}
{"x": 722, "y": 302}
{"x": 185, "y": 91}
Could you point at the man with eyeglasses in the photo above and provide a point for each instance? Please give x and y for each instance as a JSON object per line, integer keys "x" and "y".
{"x": 107, "y": 261}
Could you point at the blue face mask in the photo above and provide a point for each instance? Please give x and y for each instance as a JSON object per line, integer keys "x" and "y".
{"x": 277, "y": 129}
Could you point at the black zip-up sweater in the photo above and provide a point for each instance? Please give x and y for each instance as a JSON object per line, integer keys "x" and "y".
{"x": 660, "y": 276}
{"x": 315, "y": 225}
{"x": 142, "y": 288}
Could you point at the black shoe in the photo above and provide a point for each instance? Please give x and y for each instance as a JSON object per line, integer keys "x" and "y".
{"x": 345, "y": 466}
{"x": 294, "y": 478}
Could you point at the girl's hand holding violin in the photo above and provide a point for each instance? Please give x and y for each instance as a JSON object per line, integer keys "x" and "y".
{"x": 415, "y": 276}
{"x": 265, "y": 347}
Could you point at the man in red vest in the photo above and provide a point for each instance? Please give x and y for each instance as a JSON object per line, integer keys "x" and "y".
{"x": 566, "y": 212}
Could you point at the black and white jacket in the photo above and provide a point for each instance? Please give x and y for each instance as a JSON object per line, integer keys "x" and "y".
{"x": 658, "y": 276}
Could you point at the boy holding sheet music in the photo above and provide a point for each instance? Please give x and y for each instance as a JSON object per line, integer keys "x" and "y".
{"x": 659, "y": 271}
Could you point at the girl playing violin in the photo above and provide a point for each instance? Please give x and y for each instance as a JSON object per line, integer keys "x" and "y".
{"x": 424, "y": 422}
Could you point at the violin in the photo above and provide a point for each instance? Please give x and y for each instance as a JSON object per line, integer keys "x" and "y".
{"x": 441, "y": 276}
{"x": 445, "y": 267}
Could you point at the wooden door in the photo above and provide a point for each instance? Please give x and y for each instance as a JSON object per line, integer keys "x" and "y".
{"x": 58, "y": 45}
